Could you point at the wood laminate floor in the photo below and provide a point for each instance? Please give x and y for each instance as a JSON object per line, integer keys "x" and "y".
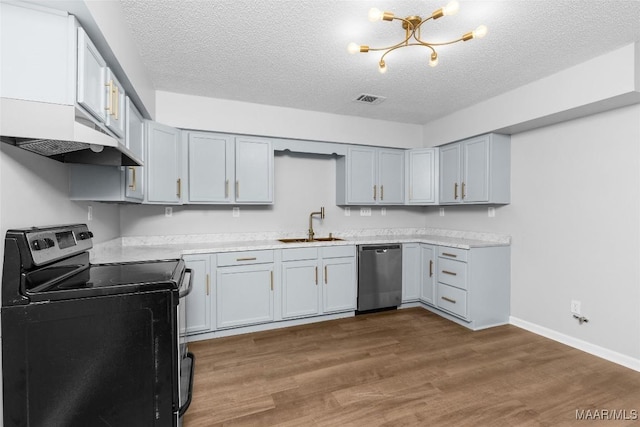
{"x": 405, "y": 368}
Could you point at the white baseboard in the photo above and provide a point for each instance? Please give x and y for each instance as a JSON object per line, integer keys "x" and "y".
{"x": 593, "y": 349}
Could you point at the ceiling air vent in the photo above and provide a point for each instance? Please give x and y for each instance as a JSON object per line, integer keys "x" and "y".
{"x": 369, "y": 99}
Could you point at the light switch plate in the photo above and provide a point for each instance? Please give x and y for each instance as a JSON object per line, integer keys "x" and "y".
{"x": 168, "y": 212}
{"x": 441, "y": 211}
{"x": 236, "y": 212}
{"x": 89, "y": 213}
{"x": 491, "y": 212}
{"x": 347, "y": 211}
{"x": 383, "y": 211}
{"x": 365, "y": 211}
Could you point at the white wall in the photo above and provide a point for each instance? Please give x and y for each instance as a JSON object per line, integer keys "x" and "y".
{"x": 574, "y": 218}
{"x": 34, "y": 191}
{"x": 303, "y": 183}
{"x": 196, "y": 112}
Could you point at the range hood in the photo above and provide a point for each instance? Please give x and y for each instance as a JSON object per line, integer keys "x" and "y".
{"x": 54, "y": 131}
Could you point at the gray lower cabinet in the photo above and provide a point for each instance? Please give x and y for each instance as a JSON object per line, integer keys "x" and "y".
{"x": 474, "y": 285}
{"x": 418, "y": 272}
{"x": 427, "y": 273}
{"x": 411, "y": 272}
{"x": 199, "y": 312}
{"x": 244, "y": 288}
{"x": 318, "y": 280}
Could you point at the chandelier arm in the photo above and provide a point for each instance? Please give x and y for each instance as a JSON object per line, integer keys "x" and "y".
{"x": 397, "y": 45}
{"x": 404, "y": 45}
{"x": 444, "y": 43}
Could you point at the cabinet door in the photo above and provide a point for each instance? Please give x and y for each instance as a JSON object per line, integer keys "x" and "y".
{"x": 162, "y": 163}
{"x": 134, "y": 139}
{"x": 391, "y": 176}
{"x": 210, "y": 165}
{"x": 244, "y": 295}
{"x": 428, "y": 267}
{"x": 422, "y": 172}
{"x": 450, "y": 166}
{"x": 91, "y": 77}
{"x": 198, "y": 301}
{"x": 115, "y": 104}
{"x": 300, "y": 288}
{"x": 411, "y": 272}
{"x": 361, "y": 176}
{"x": 254, "y": 171}
{"x": 339, "y": 285}
{"x": 475, "y": 184}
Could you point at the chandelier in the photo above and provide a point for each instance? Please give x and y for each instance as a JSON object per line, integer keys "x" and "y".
{"x": 413, "y": 37}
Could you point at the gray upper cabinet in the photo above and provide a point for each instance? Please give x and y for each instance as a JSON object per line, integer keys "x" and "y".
{"x": 370, "y": 176}
{"x": 134, "y": 139}
{"x": 115, "y": 105}
{"x": 422, "y": 176}
{"x": 92, "y": 70}
{"x": 227, "y": 169}
{"x": 163, "y": 164}
{"x": 210, "y": 165}
{"x": 476, "y": 170}
{"x": 254, "y": 171}
{"x": 113, "y": 183}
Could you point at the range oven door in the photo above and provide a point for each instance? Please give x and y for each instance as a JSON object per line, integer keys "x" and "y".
{"x": 186, "y": 360}
{"x": 90, "y": 362}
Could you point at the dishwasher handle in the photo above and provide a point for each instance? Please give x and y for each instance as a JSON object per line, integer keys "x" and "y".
{"x": 378, "y": 248}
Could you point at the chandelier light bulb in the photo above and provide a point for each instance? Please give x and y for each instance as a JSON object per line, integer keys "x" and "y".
{"x": 382, "y": 67}
{"x": 353, "y": 48}
{"x": 451, "y": 8}
{"x": 480, "y": 32}
{"x": 375, "y": 14}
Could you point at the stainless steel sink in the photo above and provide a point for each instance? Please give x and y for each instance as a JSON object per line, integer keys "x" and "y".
{"x": 315, "y": 239}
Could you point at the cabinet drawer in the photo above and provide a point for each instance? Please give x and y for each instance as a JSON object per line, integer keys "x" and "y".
{"x": 452, "y": 253}
{"x": 338, "y": 251}
{"x": 452, "y": 273}
{"x": 299, "y": 254}
{"x": 452, "y": 299}
{"x": 246, "y": 257}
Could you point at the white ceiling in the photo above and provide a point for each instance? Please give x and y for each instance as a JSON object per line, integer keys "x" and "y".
{"x": 292, "y": 53}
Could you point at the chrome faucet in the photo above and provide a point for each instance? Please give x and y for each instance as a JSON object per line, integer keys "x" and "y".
{"x": 311, "y": 233}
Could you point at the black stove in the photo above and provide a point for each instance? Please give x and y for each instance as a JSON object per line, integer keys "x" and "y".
{"x": 91, "y": 344}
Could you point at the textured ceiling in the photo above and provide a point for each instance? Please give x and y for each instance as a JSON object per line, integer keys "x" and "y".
{"x": 292, "y": 53}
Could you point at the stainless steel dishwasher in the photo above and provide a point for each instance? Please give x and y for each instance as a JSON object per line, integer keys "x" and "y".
{"x": 379, "y": 276}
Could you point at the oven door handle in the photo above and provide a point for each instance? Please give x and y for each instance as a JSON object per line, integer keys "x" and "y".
{"x": 183, "y": 293}
{"x": 184, "y": 407}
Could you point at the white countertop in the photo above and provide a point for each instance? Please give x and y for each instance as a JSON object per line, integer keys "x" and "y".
{"x": 143, "y": 248}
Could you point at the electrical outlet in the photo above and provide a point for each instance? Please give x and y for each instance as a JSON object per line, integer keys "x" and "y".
{"x": 168, "y": 212}
{"x": 441, "y": 211}
{"x": 575, "y": 307}
{"x": 89, "y": 213}
{"x": 235, "y": 212}
{"x": 383, "y": 211}
{"x": 491, "y": 212}
{"x": 365, "y": 211}
{"x": 347, "y": 211}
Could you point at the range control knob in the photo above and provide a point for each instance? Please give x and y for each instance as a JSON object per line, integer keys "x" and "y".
{"x": 84, "y": 235}
{"x": 40, "y": 244}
